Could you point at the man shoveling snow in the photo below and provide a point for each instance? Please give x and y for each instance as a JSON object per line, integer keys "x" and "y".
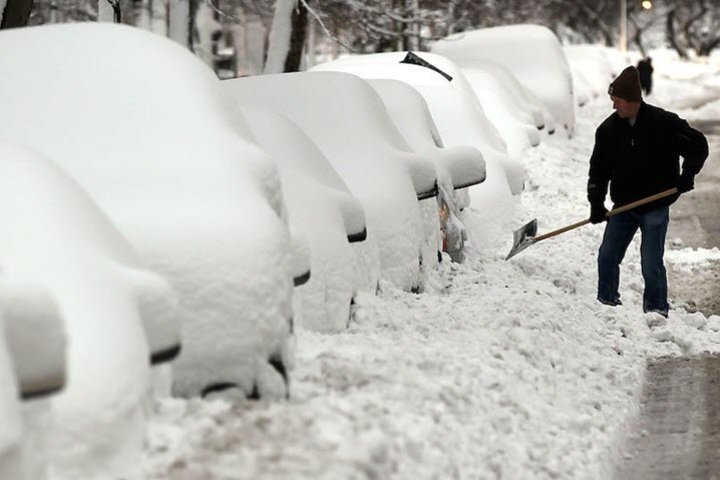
{"x": 636, "y": 154}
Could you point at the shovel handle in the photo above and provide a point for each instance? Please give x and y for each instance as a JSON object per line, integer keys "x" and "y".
{"x": 624, "y": 208}
{"x": 642, "y": 201}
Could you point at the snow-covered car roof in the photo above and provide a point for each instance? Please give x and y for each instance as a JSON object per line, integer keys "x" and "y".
{"x": 322, "y": 210}
{"x": 347, "y": 120}
{"x": 532, "y": 52}
{"x": 166, "y": 155}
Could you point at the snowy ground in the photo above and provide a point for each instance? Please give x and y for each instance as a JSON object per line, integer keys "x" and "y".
{"x": 500, "y": 370}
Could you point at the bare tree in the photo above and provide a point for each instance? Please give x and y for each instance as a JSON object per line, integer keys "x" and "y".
{"x": 693, "y": 26}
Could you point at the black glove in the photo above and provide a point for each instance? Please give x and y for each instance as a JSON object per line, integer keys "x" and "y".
{"x": 686, "y": 182}
{"x": 597, "y": 213}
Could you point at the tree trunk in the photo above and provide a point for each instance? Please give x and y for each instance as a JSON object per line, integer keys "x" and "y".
{"x": 707, "y": 47}
{"x": 109, "y": 11}
{"x": 287, "y": 37}
{"x": 293, "y": 61}
{"x": 16, "y": 13}
{"x": 192, "y": 13}
{"x": 671, "y": 34}
{"x": 178, "y": 21}
{"x": 689, "y": 30}
{"x": 637, "y": 36}
{"x": 310, "y": 44}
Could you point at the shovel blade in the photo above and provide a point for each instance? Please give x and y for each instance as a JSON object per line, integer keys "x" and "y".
{"x": 523, "y": 237}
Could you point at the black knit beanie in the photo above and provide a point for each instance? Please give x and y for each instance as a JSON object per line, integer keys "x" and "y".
{"x": 627, "y": 85}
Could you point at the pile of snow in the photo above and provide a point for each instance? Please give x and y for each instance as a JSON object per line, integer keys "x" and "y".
{"x": 504, "y": 370}
{"x": 531, "y": 52}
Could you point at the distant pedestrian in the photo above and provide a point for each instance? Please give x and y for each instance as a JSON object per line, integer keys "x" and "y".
{"x": 645, "y": 69}
{"x": 636, "y": 154}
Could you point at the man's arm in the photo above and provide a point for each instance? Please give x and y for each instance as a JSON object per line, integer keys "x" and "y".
{"x": 599, "y": 174}
{"x": 598, "y": 179}
{"x": 693, "y": 147}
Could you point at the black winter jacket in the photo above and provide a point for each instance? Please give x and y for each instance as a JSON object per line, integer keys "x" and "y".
{"x": 641, "y": 160}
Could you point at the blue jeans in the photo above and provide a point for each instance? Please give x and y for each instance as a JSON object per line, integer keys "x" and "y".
{"x": 619, "y": 232}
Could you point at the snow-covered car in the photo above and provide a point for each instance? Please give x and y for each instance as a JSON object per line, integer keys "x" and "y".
{"x": 32, "y": 366}
{"x": 165, "y": 154}
{"x": 457, "y": 167}
{"x": 583, "y": 89}
{"x": 590, "y": 62}
{"x": 516, "y": 125}
{"x": 322, "y": 210}
{"x": 531, "y": 52}
{"x": 460, "y": 122}
{"x": 517, "y": 99}
{"x": 429, "y": 72}
{"x": 347, "y": 120}
{"x": 118, "y": 317}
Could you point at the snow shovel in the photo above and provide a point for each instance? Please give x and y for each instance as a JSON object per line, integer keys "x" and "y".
{"x": 525, "y": 236}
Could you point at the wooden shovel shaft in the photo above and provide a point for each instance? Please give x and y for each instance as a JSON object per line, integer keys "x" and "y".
{"x": 624, "y": 208}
